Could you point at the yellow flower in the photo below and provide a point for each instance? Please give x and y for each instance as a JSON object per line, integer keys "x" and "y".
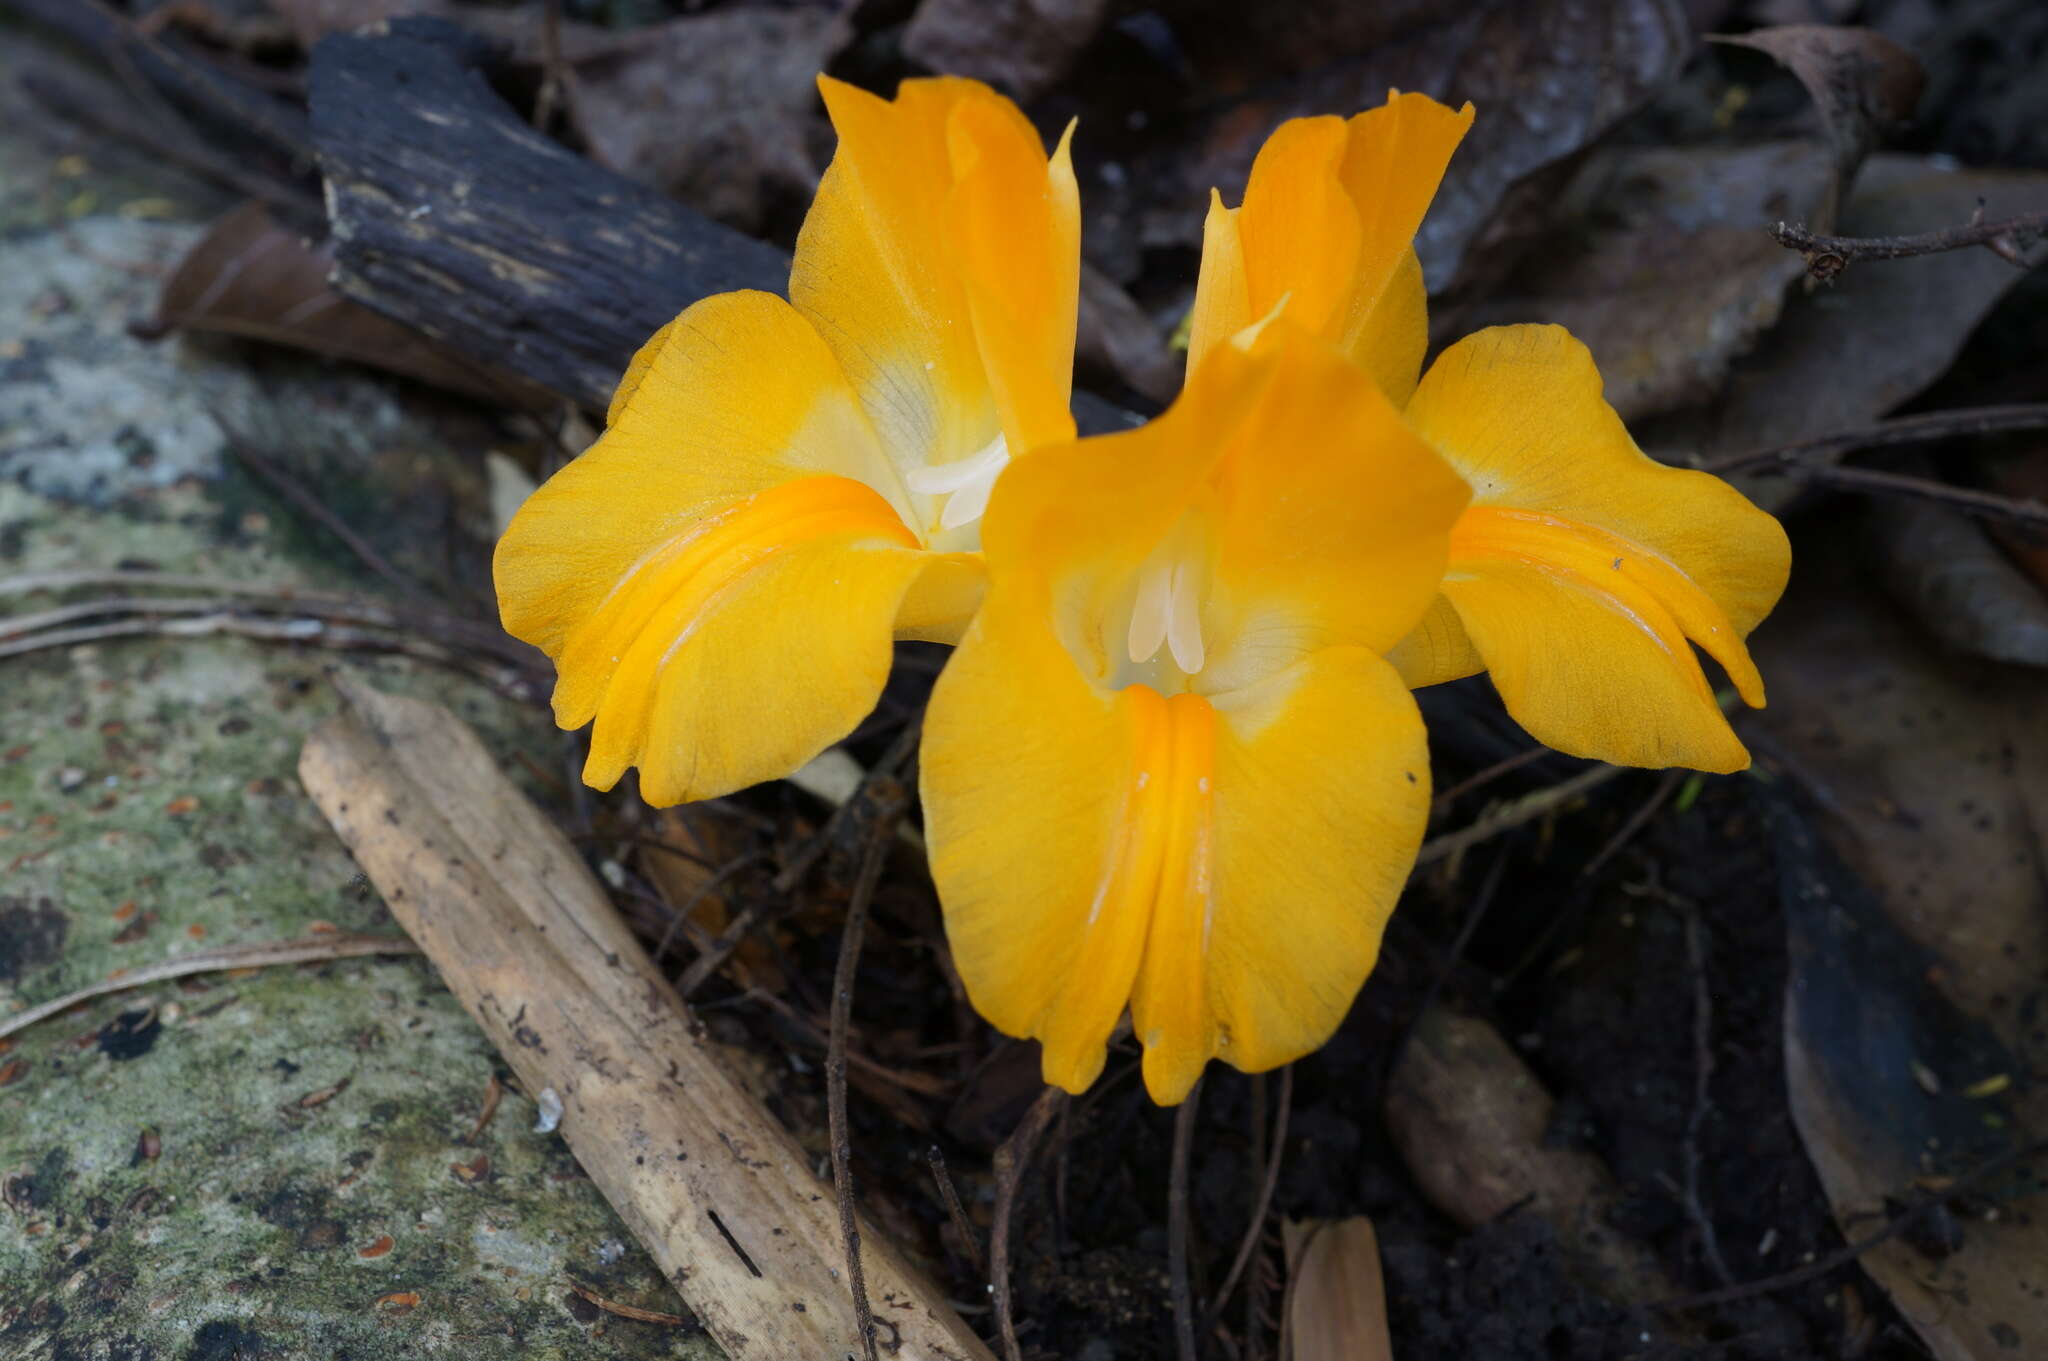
{"x": 1168, "y": 766}
{"x": 1584, "y": 570}
{"x": 784, "y": 487}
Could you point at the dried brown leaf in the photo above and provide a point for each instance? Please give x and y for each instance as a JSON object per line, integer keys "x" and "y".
{"x": 1944, "y": 568}
{"x": 250, "y": 277}
{"x": 1021, "y": 46}
{"x": 1916, "y": 936}
{"x": 1548, "y": 77}
{"x": 1117, "y": 340}
{"x": 715, "y": 109}
{"x": 1864, "y": 85}
{"x": 1337, "y": 1308}
{"x": 1662, "y": 265}
{"x": 1847, "y": 355}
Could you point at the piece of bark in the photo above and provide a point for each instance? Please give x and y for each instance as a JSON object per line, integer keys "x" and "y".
{"x": 526, "y": 939}
{"x": 451, "y": 214}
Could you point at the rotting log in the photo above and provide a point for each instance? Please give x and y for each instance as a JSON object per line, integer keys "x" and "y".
{"x": 525, "y": 937}
{"x": 449, "y": 213}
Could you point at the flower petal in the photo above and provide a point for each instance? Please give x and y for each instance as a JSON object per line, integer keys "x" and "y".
{"x": 1583, "y": 567}
{"x": 1314, "y": 484}
{"x": 939, "y": 217}
{"x": 652, "y": 557}
{"x": 1328, "y": 224}
{"x": 1320, "y": 792}
{"x": 1024, "y": 769}
{"x": 1015, "y": 221}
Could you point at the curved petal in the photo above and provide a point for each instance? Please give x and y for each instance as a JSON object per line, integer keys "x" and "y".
{"x": 1436, "y": 650}
{"x": 1223, "y": 300}
{"x": 745, "y": 678}
{"x": 1016, "y": 235}
{"x": 1024, "y": 771}
{"x": 733, "y": 397}
{"x": 1394, "y": 161}
{"x": 1319, "y": 795}
{"x": 1225, "y": 869}
{"x": 938, "y": 220}
{"x": 1584, "y": 567}
{"x": 1300, "y": 229}
{"x": 1328, "y": 224}
{"x": 716, "y": 579}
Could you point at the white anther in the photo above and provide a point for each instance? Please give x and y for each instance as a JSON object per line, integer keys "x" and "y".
{"x": 965, "y": 483}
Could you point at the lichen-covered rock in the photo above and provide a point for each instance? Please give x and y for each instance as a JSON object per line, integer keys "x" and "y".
{"x": 278, "y": 1163}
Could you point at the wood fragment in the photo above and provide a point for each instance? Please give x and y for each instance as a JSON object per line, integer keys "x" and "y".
{"x": 630, "y": 1311}
{"x": 527, "y": 939}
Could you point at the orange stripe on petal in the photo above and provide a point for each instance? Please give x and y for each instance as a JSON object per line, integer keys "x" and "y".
{"x": 1662, "y": 601}
{"x": 610, "y": 663}
{"x": 1168, "y": 826}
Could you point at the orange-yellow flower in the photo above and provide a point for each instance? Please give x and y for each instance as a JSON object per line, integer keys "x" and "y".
{"x": 1584, "y": 571}
{"x": 1169, "y": 766}
{"x": 784, "y": 487}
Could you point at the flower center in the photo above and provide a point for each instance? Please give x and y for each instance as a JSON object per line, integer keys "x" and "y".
{"x": 965, "y": 483}
{"x": 1168, "y": 608}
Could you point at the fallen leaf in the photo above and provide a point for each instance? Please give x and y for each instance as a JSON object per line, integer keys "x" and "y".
{"x": 1863, "y": 84}
{"x": 1962, "y": 589}
{"x": 1021, "y": 46}
{"x": 1337, "y": 1308}
{"x": 1548, "y": 77}
{"x": 1119, "y": 342}
{"x": 250, "y": 277}
{"x": 1917, "y": 939}
{"x": 1845, "y": 355}
{"x": 1661, "y": 264}
{"x": 716, "y": 109}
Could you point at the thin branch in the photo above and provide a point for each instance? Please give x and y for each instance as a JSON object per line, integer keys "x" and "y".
{"x": 313, "y": 509}
{"x": 1923, "y": 428}
{"x": 963, "y": 1227}
{"x": 307, "y": 950}
{"x": 835, "y": 1066}
{"x": 1525, "y": 809}
{"x": 1271, "y": 1181}
{"x": 1011, "y": 1162}
{"x": 1666, "y": 787}
{"x": 1703, "y": 1077}
{"x": 1442, "y": 802}
{"x": 1177, "y": 1230}
{"x": 688, "y": 907}
{"x": 1843, "y": 1257}
{"x": 1982, "y": 504}
{"x": 1828, "y": 256}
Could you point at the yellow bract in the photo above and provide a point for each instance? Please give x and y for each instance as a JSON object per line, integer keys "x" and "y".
{"x": 785, "y": 487}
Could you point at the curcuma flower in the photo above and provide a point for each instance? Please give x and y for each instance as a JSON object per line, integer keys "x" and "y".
{"x": 785, "y": 487}
{"x": 1168, "y": 766}
{"x": 1584, "y": 572}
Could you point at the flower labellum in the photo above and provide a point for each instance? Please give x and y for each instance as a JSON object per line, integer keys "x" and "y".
{"x": 1169, "y": 767}
{"x": 783, "y": 488}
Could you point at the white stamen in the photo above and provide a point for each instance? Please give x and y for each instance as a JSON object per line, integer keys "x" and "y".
{"x": 965, "y": 482}
{"x": 1184, "y": 619}
{"x": 1149, "y": 612}
{"x": 1168, "y": 611}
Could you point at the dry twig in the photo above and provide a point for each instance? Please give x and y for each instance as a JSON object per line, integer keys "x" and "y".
{"x": 1923, "y": 428}
{"x": 1177, "y": 1229}
{"x": 889, "y": 805}
{"x": 970, "y": 1241}
{"x": 1525, "y": 809}
{"x": 1011, "y": 1162}
{"x": 307, "y": 950}
{"x": 1271, "y": 1180}
{"x": 1827, "y": 256}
